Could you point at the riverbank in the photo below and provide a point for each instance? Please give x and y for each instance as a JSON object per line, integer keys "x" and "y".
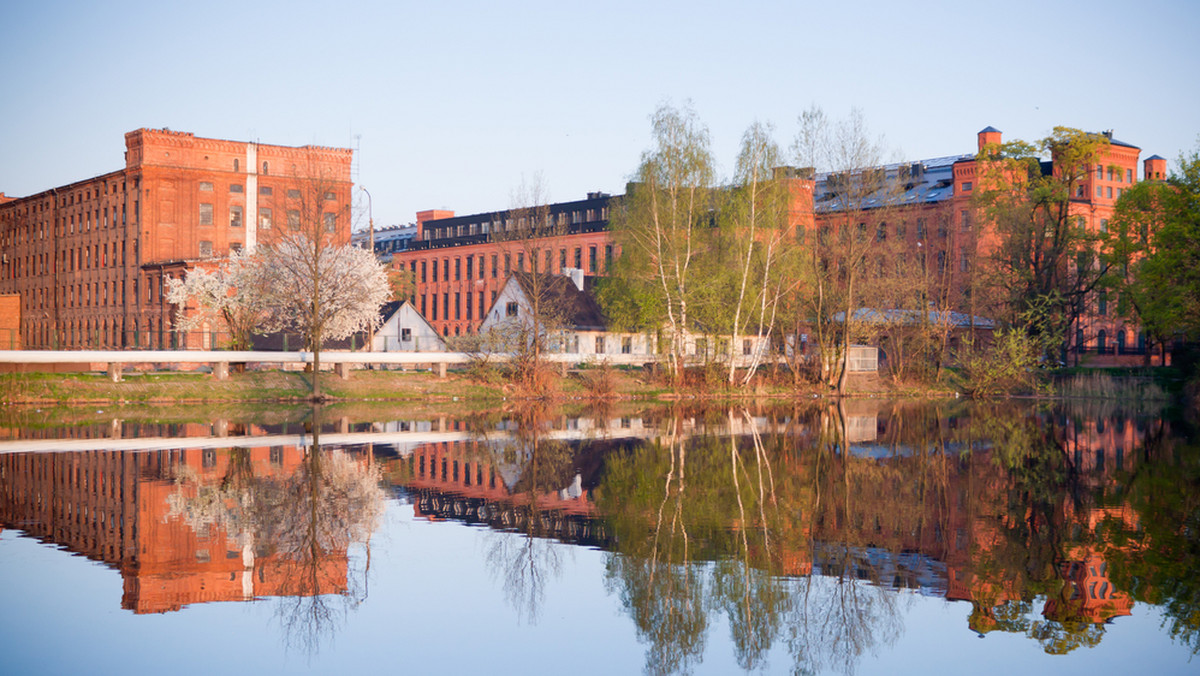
{"x": 268, "y": 387}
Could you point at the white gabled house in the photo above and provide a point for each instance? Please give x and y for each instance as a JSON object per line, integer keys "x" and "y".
{"x": 405, "y": 330}
{"x": 580, "y": 325}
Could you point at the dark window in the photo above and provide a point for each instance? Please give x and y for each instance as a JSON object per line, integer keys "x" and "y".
{"x": 236, "y": 187}
{"x": 510, "y": 309}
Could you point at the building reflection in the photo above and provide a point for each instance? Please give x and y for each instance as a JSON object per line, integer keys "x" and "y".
{"x": 995, "y": 508}
{"x": 141, "y": 513}
{"x": 770, "y": 516}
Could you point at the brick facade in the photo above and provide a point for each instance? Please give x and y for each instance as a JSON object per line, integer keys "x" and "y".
{"x": 89, "y": 259}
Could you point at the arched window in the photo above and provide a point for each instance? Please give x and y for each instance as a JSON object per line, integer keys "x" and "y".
{"x": 1101, "y": 339}
{"x": 264, "y": 171}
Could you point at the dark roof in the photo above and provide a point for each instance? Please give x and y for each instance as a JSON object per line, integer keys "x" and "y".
{"x": 928, "y": 181}
{"x": 577, "y": 309}
{"x": 1156, "y": 157}
{"x": 389, "y": 308}
{"x": 990, "y": 130}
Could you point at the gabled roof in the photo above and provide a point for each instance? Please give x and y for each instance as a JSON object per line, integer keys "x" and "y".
{"x": 577, "y": 309}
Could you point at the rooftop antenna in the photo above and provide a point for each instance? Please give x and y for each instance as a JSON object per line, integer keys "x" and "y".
{"x": 354, "y": 165}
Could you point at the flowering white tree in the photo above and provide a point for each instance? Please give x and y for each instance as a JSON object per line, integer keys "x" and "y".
{"x": 232, "y": 293}
{"x": 323, "y": 292}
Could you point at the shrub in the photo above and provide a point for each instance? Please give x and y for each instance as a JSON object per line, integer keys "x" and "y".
{"x": 1008, "y": 366}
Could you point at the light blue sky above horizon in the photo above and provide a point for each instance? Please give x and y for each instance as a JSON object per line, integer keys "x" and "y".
{"x": 454, "y": 105}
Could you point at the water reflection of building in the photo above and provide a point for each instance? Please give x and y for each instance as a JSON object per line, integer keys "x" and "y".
{"x": 115, "y": 507}
{"x": 492, "y": 482}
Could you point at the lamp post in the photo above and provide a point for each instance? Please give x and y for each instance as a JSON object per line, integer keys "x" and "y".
{"x": 371, "y": 246}
{"x": 370, "y": 220}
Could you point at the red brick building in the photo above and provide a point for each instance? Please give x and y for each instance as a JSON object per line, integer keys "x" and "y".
{"x": 459, "y": 263}
{"x": 89, "y": 259}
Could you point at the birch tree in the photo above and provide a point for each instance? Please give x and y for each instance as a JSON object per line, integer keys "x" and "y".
{"x": 665, "y": 220}
{"x": 757, "y": 219}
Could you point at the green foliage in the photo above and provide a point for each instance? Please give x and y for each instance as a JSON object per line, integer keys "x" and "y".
{"x": 1156, "y": 243}
{"x": 1046, "y": 263}
{"x": 1008, "y": 366}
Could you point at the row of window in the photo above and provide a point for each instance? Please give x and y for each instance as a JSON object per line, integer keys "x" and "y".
{"x": 429, "y": 306}
{"x": 264, "y": 190}
{"x": 66, "y": 224}
{"x": 434, "y": 270}
{"x": 265, "y": 215}
{"x": 1114, "y": 174}
{"x": 510, "y": 224}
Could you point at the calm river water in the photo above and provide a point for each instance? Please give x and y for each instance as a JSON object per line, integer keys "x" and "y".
{"x": 870, "y": 537}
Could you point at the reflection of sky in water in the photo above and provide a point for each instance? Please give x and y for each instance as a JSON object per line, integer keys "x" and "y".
{"x": 434, "y": 606}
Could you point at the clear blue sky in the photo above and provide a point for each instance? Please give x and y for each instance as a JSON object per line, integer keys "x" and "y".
{"x": 453, "y": 104}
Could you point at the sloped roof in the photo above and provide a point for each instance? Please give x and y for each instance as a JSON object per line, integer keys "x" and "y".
{"x": 926, "y": 181}
{"x": 912, "y": 317}
{"x": 577, "y": 309}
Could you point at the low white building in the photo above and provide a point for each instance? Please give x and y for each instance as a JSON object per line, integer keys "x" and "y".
{"x": 579, "y": 325}
{"x": 405, "y": 330}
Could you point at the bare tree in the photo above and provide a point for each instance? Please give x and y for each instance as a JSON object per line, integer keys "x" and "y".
{"x": 852, "y": 240}
{"x": 524, "y": 236}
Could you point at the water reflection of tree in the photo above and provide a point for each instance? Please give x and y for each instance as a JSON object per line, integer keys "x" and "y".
{"x": 680, "y": 503}
{"x": 301, "y": 526}
{"x": 536, "y": 466}
{"x": 1156, "y": 559}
